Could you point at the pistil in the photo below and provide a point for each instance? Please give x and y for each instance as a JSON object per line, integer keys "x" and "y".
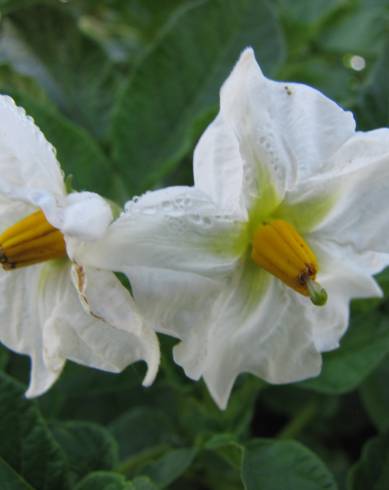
{"x": 30, "y": 241}
{"x": 280, "y": 249}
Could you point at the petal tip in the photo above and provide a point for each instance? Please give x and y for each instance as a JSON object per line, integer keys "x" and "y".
{"x": 151, "y": 373}
{"x": 152, "y": 361}
{"x": 237, "y": 83}
{"x": 33, "y": 391}
{"x": 247, "y": 59}
{"x": 247, "y": 53}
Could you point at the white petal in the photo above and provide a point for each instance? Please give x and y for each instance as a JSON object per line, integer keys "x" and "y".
{"x": 86, "y": 216}
{"x": 31, "y": 174}
{"x": 173, "y": 301}
{"x": 43, "y": 318}
{"x": 360, "y": 193}
{"x": 12, "y": 211}
{"x": 174, "y": 229}
{"x": 27, "y": 160}
{"x": 256, "y": 327}
{"x": 111, "y": 327}
{"x": 346, "y": 198}
{"x": 79, "y": 215}
{"x": 285, "y": 131}
{"x": 28, "y": 300}
{"x": 344, "y": 277}
{"x": 218, "y": 167}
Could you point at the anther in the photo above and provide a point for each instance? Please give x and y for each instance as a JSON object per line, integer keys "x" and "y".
{"x": 279, "y": 249}
{"x": 30, "y": 241}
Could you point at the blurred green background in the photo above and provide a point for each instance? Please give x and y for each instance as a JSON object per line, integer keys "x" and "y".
{"x": 123, "y": 89}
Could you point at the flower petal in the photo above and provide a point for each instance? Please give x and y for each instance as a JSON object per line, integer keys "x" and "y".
{"x": 27, "y": 160}
{"x": 86, "y": 216}
{"x": 111, "y": 334}
{"x": 347, "y": 197}
{"x": 359, "y": 194}
{"x": 344, "y": 277}
{"x": 81, "y": 216}
{"x": 44, "y": 319}
{"x": 218, "y": 167}
{"x": 28, "y": 301}
{"x": 173, "y": 301}
{"x": 12, "y": 211}
{"x": 174, "y": 229}
{"x": 285, "y": 131}
{"x": 255, "y": 327}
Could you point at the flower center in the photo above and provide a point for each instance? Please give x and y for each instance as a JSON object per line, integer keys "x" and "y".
{"x": 279, "y": 249}
{"x": 29, "y": 241}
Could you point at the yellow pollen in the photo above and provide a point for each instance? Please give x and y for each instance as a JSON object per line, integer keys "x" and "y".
{"x": 279, "y": 249}
{"x": 30, "y": 241}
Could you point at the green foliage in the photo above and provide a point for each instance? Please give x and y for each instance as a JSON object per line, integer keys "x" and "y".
{"x": 307, "y": 13}
{"x": 170, "y": 466}
{"x": 87, "y": 447}
{"x": 272, "y": 465}
{"x": 10, "y": 480}
{"x": 175, "y": 88}
{"x": 102, "y": 480}
{"x": 4, "y": 356}
{"x": 227, "y": 448}
{"x": 73, "y": 70}
{"x": 372, "y": 471}
{"x": 360, "y": 352}
{"x": 373, "y": 105}
{"x": 375, "y": 396}
{"x": 26, "y": 444}
{"x": 140, "y": 429}
{"x": 143, "y": 483}
{"x": 367, "y": 19}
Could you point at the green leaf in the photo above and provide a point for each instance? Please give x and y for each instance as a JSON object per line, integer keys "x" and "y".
{"x": 104, "y": 480}
{"x": 372, "y": 470}
{"x": 88, "y": 447}
{"x": 26, "y": 444}
{"x": 12, "y": 81}
{"x": 272, "y": 465}
{"x": 78, "y": 154}
{"x": 375, "y": 396}
{"x": 366, "y": 19}
{"x": 143, "y": 483}
{"x": 83, "y": 393}
{"x": 177, "y": 85}
{"x": 10, "y": 480}
{"x": 7, "y": 6}
{"x": 170, "y": 466}
{"x": 307, "y": 12}
{"x": 4, "y": 356}
{"x": 127, "y": 28}
{"x": 372, "y": 109}
{"x": 362, "y": 349}
{"x": 46, "y": 43}
{"x": 140, "y": 429}
{"x": 227, "y": 447}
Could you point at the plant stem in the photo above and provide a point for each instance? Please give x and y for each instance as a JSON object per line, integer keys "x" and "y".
{"x": 299, "y": 421}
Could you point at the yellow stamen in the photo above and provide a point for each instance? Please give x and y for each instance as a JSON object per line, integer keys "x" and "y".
{"x": 280, "y": 250}
{"x": 30, "y": 241}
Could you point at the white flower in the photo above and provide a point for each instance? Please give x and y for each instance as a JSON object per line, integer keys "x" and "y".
{"x": 55, "y": 310}
{"x": 288, "y": 200}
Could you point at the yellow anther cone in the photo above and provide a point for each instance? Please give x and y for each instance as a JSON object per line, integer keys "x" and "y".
{"x": 30, "y": 241}
{"x": 279, "y": 249}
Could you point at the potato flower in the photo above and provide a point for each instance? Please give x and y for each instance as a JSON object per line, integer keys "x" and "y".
{"x": 53, "y": 308}
{"x": 254, "y": 267}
